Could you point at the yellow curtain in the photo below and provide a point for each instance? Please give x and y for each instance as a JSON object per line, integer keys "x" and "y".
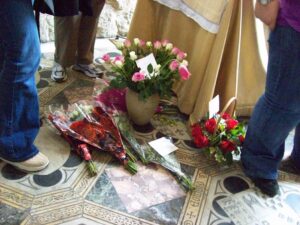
{"x": 226, "y": 63}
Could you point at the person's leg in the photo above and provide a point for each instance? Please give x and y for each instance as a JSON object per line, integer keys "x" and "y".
{"x": 66, "y": 39}
{"x": 278, "y": 110}
{"x": 86, "y": 39}
{"x": 19, "y": 60}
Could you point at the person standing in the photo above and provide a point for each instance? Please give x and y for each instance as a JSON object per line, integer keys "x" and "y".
{"x": 75, "y": 27}
{"x": 19, "y": 107}
{"x": 277, "y": 112}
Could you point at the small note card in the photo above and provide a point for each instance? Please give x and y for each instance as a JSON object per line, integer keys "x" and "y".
{"x": 143, "y": 63}
{"x": 163, "y": 146}
{"x": 214, "y": 106}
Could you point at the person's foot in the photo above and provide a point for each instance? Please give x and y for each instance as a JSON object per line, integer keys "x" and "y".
{"x": 266, "y": 186}
{"x": 59, "y": 73}
{"x": 34, "y": 164}
{"x": 288, "y": 165}
{"x": 89, "y": 70}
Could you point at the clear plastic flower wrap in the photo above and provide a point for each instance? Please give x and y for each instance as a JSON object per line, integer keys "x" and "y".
{"x": 87, "y": 127}
{"x": 144, "y": 151}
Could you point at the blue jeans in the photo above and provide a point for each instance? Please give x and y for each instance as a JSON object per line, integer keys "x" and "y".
{"x": 19, "y": 60}
{"x": 278, "y": 110}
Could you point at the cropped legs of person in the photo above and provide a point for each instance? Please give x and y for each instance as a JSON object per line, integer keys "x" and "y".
{"x": 75, "y": 41}
{"x": 276, "y": 114}
{"x": 19, "y": 107}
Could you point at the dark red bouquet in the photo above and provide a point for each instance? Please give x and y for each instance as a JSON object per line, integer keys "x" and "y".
{"x": 221, "y": 137}
{"x": 87, "y": 127}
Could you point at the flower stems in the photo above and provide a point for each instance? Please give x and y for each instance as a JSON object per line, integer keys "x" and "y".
{"x": 131, "y": 167}
{"x": 92, "y": 168}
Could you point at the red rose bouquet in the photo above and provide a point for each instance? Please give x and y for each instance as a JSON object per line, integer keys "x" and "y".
{"x": 86, "y": 126}
{"x": 221, "y": 137}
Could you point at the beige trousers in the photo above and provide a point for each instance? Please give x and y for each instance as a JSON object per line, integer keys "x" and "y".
{"x": 75, "y": 37}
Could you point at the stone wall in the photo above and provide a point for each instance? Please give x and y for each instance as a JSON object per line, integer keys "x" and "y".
{"x": 114, "y": 20}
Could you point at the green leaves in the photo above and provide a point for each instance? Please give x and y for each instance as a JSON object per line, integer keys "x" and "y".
{"x": 150, "y": 68}
{"x": 118, "y": 82}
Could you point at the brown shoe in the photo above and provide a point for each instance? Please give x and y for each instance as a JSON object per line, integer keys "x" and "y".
{"x": 34, "y": 164}
{"x": 288, "y": 165}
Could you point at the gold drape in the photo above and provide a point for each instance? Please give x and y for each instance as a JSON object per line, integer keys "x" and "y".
{"x": 211, "y": 10}
{"x": 226, "y": 63}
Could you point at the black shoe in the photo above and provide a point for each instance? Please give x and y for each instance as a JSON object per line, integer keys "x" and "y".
{"x": 267, "y": 186}
{"x": 289, "y": 166}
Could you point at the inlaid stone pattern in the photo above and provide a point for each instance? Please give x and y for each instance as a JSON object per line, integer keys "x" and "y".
{"x": 114, "y": 20}
{"x": 66, "y": 194}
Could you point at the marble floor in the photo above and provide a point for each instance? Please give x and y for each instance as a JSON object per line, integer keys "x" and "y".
{"x": 65, "y": 193}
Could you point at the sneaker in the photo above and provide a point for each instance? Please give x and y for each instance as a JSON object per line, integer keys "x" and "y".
{"x": 59, "y": 73}
{"x": 266, "y": 186}
{"x": 34, "y": 164}
{"x": 89, "y": 70}
{"x": 288, "y": 165}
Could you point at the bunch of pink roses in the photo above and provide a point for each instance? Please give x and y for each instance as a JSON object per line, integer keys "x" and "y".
{"x": 164, "y": 65}
{"x": 220, "y": 137}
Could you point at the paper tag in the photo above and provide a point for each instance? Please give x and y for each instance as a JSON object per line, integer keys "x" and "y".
{"x": 214, "y": 106}
{"x": 163, "y": 146}
{"x": 143, "y": 63}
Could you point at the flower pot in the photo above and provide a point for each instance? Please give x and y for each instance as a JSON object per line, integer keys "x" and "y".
{"x": 140, "y": 111}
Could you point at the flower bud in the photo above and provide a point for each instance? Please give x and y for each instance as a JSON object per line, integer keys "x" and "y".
{"x": 169, "y": 46}
{"x": 184, "y": 72}
{"x": 181, "y": 56}
{"x": 165, "y": 42}
{"x": 106, "y": 58}
{"x": 119, "y": 63}
{"x": 127, "y": 43}
{"x": 132, "y": 55}
{"x": 184, "y": 62}
{"x": 149, "y": 44}
{"x": 157, "y": 45}
{"x": 119, "y": 45}
{"x": 174, "y": 65}
{"x": 136, "y": 41}
{"x": 138, "y": 76}
{"x": 175, "y": 51}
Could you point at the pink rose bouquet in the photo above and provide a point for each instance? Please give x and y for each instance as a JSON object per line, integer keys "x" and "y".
{"x": 157, "y": 76}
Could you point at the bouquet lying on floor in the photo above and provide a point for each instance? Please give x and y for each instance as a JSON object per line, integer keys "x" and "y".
{"x": 221, "y": 137}
{"x": 116, "y": 108}
{"x": 87, "y": 127}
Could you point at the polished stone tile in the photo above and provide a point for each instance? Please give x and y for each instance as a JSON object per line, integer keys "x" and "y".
{"x": 250, "y": 207}
{"x": 11, "y": 216}
{"x": 167, "y": 213}
{"x": 150, "y": 186}
{"x": 104, "y": 193}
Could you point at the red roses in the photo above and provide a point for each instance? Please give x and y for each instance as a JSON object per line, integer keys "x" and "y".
{"x": 210, "y": 125}
{"x": 220, "y": 137}
{"x": 200, "y": 139}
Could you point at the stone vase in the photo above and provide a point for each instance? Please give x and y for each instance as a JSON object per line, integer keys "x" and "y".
{"x": 141, "y": 111}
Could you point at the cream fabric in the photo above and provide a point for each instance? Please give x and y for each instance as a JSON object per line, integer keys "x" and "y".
{"x": 226, "y": 63}
{"x": 191, "y": 13}
{"x": 210, "y": 9}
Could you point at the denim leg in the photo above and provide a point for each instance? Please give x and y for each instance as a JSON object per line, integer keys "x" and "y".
{"x": 278, "y": 110}
{"x": 19, "y": 114}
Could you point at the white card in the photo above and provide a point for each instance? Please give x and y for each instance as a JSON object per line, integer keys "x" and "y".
{"x": 214, "y": 106}
{"x": 163, "y": 146}
{"x": 143, "y": 63}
